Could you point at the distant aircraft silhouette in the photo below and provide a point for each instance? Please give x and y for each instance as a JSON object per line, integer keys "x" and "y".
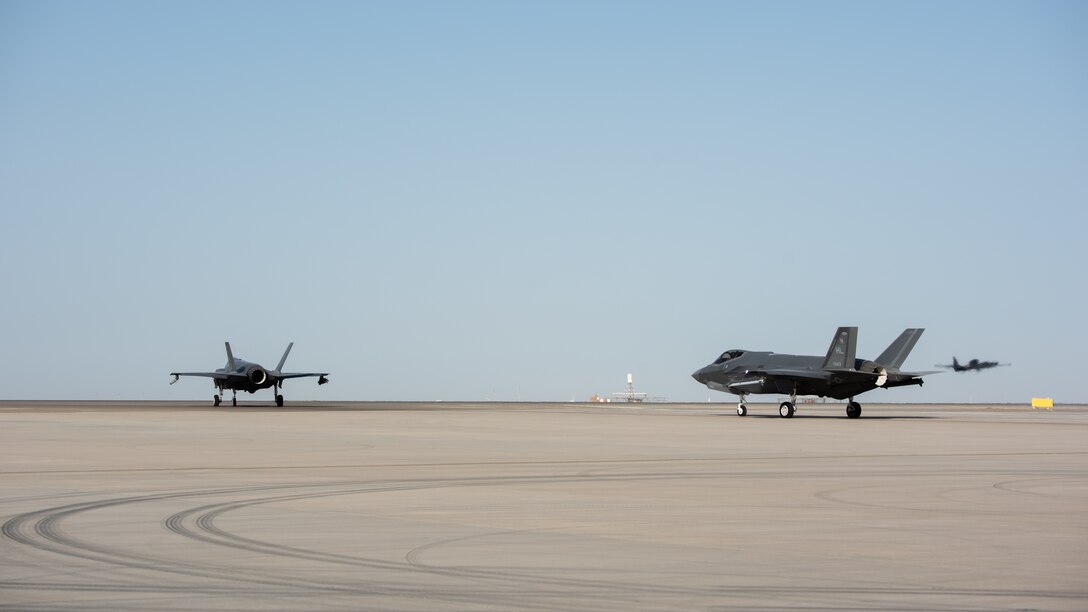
{"x": 972, "y": 366}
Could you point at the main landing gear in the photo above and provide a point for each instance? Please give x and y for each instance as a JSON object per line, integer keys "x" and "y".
{"x": 216, "y": 400}
{"x": 276, "y": 389}
{"x": 786, "y": 409}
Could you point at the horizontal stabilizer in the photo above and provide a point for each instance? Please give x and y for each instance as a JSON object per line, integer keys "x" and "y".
{"x": 920, "y": 374}
{"x": 286, "y": 375}
{"x": 220, "y": 375}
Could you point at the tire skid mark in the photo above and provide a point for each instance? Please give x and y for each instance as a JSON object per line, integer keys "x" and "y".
{"x": 1008, "y": 486}
{"x": 833, "y": 496}
{"x": 205, "y": 521}
{"x": 52, "y": 539}
{"x": 558, "y": 462}
{"x": 42, "y": 529}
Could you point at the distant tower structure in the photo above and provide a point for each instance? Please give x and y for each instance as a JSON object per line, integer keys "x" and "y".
{"x": 630, "y": 395}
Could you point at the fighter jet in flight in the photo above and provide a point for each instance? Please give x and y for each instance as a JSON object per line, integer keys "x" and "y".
{"x": 973, "y": 365}
{"x": 242, "y": 375}
{"x": 838, "y": 374}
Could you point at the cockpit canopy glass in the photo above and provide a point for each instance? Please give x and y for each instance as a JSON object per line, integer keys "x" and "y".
{"x": 726, "y": 356}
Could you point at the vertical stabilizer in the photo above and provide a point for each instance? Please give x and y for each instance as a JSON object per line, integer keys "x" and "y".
{"x": 283, "y": 360}
{"x": 840, "y": 355}
{"x": 896, "y": 353}
{"x": 230, "y": 358}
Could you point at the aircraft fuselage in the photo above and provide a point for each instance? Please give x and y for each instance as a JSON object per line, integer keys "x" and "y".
{"x": 839, "y": 374}
{"x": 740, "y": 376}
{"x": 255, "y": 377}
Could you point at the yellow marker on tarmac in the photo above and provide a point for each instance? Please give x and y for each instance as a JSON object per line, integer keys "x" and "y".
{"x": 1042, "y": 403}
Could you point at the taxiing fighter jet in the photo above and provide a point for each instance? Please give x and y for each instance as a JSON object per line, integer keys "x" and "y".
{"x": 838, "y": 374}
{"x": 242, "y": 375}
{"x": 973, "y": 365}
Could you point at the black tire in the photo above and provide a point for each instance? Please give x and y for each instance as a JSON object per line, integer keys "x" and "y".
{"x": 279, "y": 400}
{"x": 742, "y": 410}
{"x": 853, "y": 410}
{"x": 216, "y": 400}
{"x": 786, "y": 410}
{"x": 234, "y": 401}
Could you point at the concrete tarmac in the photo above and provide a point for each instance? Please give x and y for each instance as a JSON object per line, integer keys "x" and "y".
{"x": 458, "y": 506}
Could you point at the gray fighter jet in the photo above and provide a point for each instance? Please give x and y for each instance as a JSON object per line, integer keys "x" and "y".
{"x": 973, "y": 365}
{"x": 242, "y": 375}
{"x": 838, "y": 374}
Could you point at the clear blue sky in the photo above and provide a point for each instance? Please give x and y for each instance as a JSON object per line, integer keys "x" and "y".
{"x": 502, "y": 200}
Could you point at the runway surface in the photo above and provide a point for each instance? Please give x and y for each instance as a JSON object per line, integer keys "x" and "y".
{"x": 442, "y": 506}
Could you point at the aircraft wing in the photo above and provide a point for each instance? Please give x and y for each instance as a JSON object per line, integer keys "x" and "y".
{"x": 286, "y": 375}
{"x": 839, "y": 376}
{"x": 829, "y": 375}
{"x": 757, "y": 377}
{"x": 826, "y": 374}
{"x": 851, "y": 374}
{"x": 788, "y": 374}
{"x": 216, "y": 375}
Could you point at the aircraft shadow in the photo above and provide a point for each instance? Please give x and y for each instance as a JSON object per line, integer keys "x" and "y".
{"x": 878, "y": 417}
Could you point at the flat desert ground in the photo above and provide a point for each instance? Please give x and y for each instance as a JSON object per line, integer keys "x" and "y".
{"x": 493, "y": 506}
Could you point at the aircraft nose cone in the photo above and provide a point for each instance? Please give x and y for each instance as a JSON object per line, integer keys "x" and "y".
{"x": 700, "y": 376}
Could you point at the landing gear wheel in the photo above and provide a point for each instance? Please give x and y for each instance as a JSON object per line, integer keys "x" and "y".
{"x": 853, "y": 410}
{"x": 234, "y": 401}
{"x": 279, "y": 400}
{"x": 742, "y": 410}
{"x": 215, "y": 398}
{"x": 786, "y": 410}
